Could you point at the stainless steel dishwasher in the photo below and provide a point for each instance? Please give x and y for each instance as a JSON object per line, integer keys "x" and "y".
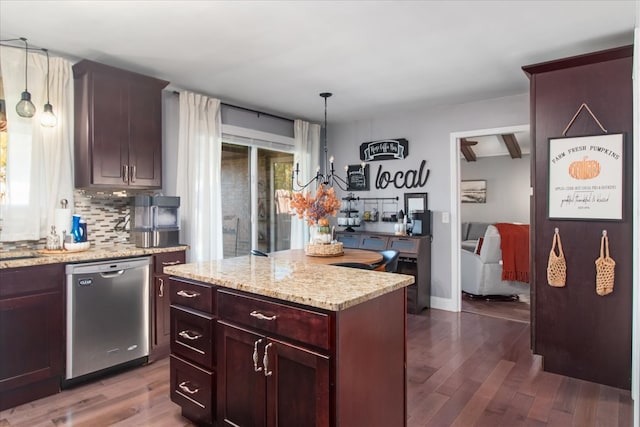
{"x": 107, "y": 315}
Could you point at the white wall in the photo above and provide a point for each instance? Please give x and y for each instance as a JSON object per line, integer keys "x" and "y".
{"x": 508, "y": 183}
{"x": 428, "y": 132}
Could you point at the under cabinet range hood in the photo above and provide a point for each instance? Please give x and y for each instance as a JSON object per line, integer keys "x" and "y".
{"x": 156, "y": 221}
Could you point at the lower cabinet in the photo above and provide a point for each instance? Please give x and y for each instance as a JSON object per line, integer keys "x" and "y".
{"x": 31, "y": 336}
{"x": 267, "y": 382}
{"x": 160, "y": 317}
{"x": 240, "y": 359}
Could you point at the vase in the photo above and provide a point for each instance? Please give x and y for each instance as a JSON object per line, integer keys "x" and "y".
{"x": 319, "y": 235}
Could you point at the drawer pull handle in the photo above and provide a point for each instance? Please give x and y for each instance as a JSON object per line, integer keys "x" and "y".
{"x": 187, "y": 335}
{"x": 188, "y": 294}
{"x": 184, "y": 387}
{"x": 171, "y": 262}
{"x": 261, "y": 316}
{"x": 265, "y": 361}
{"x": 255, "y": 356}
{"x": 161, "y": 292}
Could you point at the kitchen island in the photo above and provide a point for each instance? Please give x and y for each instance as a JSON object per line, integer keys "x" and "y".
{"x": 272, "y": 341}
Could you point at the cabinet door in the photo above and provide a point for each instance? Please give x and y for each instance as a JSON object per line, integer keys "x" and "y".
{"x": 297, "y": 386}
{"x": 241, "y": 379}
{"x": 31, "y": 342}
{"x": 145, "y": 134}
{"x": 108, "y": 112}
{"x": 161, "y": 310}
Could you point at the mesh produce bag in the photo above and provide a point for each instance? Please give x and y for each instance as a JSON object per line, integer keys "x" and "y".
{"x": 557, "y": 266}
{"x": 605, "y": 269}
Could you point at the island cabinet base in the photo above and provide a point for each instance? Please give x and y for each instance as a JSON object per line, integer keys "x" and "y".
{"x": 276, "y": 363}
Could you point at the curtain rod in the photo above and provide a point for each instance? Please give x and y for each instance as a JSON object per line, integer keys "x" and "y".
{"x": 175, "y": 92}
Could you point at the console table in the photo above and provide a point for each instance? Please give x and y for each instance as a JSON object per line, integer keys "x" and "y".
{"x": 415, "y": 259}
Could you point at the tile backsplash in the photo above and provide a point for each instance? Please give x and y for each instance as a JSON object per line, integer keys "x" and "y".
{"x": 102, "y": 212}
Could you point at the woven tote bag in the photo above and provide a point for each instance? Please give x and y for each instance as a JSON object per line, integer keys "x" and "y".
{"x": 557, "y": 266}
{"x": 605, "y": 269}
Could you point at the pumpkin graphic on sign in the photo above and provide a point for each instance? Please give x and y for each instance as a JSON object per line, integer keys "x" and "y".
{"x": 584, "y": 169}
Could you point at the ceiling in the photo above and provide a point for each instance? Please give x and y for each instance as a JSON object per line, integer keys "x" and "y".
{"x": 376, "y": 57}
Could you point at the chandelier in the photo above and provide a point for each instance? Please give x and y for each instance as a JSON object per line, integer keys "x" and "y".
{"x": 329, "y": 177}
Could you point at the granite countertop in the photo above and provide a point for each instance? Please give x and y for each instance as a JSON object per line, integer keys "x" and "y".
{"x": 321, "y": 286}
{"x": 27, "y": 258}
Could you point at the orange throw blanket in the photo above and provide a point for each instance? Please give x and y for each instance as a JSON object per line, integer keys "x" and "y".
{"x": 514, "y": 243}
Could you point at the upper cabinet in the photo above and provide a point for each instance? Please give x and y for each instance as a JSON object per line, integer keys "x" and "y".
{"x": 118, "y": 128}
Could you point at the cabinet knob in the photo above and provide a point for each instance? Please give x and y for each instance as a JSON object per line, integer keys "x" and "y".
{"x": 188, "y": 294}
{"x": 125, "y": 173}
{"x": 255, "y": 356}
{"x": 187, "y": 335}
{"x": 184, "y": 387}
{"x": 261, "y": 316}
{"x": 265, "y": 361}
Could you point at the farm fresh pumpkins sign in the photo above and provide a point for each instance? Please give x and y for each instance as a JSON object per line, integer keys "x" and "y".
{"x": 585, "y": 177}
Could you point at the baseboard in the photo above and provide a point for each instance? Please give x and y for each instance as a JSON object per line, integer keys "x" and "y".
{"x": 444, "y": 304}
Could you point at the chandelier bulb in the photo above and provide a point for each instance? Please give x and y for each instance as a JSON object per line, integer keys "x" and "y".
{"x": 48, "y": 119}
{"x": 25, "y": 107}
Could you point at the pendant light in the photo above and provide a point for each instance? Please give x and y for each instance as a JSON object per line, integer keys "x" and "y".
{"x": 25, "y": 107}
{"x": 48, "y": 119}
{"x": 329, "y": 177}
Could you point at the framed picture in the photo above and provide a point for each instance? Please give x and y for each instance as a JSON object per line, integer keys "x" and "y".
{"x": 473, "y": 191}
{"x": 415, "y": 203}
{"x": 585, "y": 177}
{"x": 357, "y": 178}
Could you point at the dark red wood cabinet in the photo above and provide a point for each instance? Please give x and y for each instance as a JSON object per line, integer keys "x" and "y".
{"x": 160, "y": 304}
{"x": 118, "y": 128}
{"x": 241, "y": 359}
{"x": 579, "y": 333}
{"x": 31, "y": 336}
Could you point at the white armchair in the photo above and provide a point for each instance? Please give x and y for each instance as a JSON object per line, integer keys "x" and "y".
{"x": 481, "y": 274}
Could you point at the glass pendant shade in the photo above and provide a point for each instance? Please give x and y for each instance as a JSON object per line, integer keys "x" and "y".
{"x": 47, "y": 118}
{"x": 25, "y": 107}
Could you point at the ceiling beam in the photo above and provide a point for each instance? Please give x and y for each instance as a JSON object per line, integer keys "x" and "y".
{"x": 512, "y": 145}
{"x": 467, "y": 151}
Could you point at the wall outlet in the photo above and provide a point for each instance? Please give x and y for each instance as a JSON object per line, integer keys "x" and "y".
{"x": 445, "y": 217}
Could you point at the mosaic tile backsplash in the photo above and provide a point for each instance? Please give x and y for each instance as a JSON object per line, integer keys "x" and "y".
{"x": 106, "y": 215}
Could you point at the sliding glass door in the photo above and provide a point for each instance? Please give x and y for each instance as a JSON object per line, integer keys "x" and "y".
{"x": 256, "y": 185}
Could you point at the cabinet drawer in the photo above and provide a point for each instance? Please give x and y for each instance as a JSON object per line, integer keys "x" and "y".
{"x": 298, "y": 324}
{"x": 163, "y": 260}
{"x": 192, "y": 336}
{"x": 374, "y": 243}
{"x": 193, "y": 389}
{"x": 404, "y": 245}
{"x": 30, "y": 280}
{"x": 194, "y": 295}
{"x": 349, "y": 241}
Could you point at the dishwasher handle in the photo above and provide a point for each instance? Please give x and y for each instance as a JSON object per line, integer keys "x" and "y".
{"x": 111, "y": 274}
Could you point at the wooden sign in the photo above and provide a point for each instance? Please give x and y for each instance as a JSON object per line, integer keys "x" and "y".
{"x": 358, "y": 178}
{"x": 384, "y": 149}
{"x": 585, "y": 177}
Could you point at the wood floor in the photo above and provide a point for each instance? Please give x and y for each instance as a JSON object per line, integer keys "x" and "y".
{"x": 519, "y": 311}
{"x": 463, "y": 369}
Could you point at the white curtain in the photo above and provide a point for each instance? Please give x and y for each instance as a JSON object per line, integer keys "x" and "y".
{"x": 39, "y": 160}
{"x": 307, "y": 156}
{"x": 198, "y": 176}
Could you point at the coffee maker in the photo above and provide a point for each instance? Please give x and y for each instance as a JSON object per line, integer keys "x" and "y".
{"x": 156, "y": 221}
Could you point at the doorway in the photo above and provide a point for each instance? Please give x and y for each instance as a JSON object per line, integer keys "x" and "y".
{"x": 491, "y": 213}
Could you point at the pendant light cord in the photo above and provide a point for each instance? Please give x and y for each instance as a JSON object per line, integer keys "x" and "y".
{"x": 26, "y": 61}
{"x": 47, "y": 52}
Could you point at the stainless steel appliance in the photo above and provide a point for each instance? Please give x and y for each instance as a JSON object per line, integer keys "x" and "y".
{"x": 107, "y": 315}
{"x": 156, "y": 221}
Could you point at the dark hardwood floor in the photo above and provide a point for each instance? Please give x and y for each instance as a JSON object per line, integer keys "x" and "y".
{"x": 463, "y": 369}
{"x": 519, "y": 311}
